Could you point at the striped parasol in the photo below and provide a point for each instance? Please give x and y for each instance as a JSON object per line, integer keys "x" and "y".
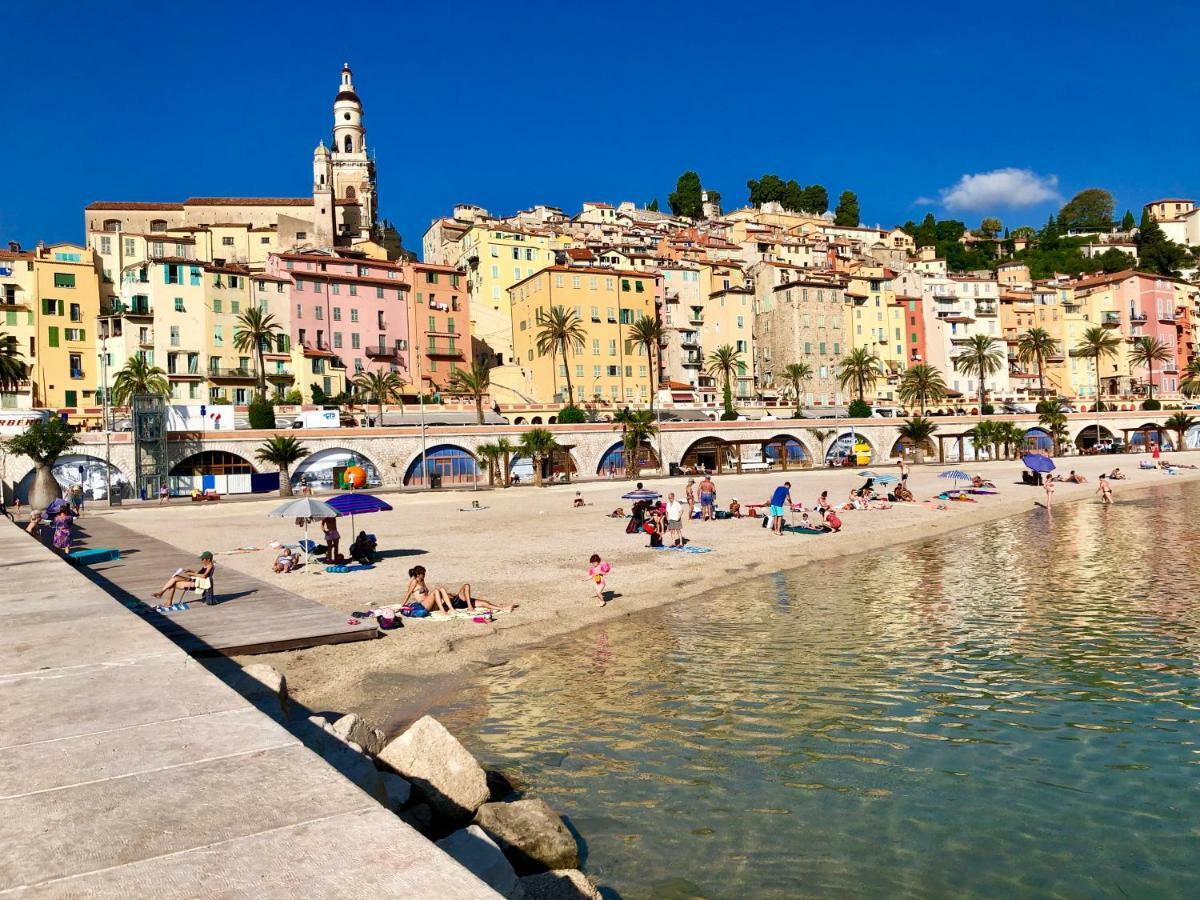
{"x": 354, "y": 503}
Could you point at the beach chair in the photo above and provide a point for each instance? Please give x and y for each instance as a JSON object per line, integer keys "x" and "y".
{"x": 208, "y": 594}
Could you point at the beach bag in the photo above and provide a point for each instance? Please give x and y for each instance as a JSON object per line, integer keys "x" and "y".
{"x": 765, "y": 520}
{"x": 414, "y": 611}
{"x": 655, "y": 539}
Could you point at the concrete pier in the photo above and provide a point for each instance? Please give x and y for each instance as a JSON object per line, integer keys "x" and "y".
{"x": 129, "y": 770}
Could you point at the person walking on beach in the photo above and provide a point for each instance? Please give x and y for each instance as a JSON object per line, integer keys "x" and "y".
{"x": 690, "y": 494}
{"x": 708, "y": 497}
{"x": 76, "y": 500}
{"x": 903, "y": 471}
{"x": 675, "y": 511}
{"x": 596, "y": 573}
{"x": 1048, "y": 487}
{"x": 164, "y": 495}
{"x": 62, "y": 531}
{"x": 781, "y": 497}
{"x": 1105, "y": 491}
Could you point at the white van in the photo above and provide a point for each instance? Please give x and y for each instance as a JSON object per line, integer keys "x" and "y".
{"x": 887, "y": 412}
{"x": 320, "y": 418}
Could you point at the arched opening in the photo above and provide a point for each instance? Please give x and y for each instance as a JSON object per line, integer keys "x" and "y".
{"x": 1150, "y": 436}
{"x": 612, "y": 463}
{"x": 1037, "y": 439}
{"x": 323, "y": 469}
{"x": 709, "y": 454}
{"x": 906, "y": 448}
{"x": 350, "y": 195}
{"x": 560, "y": 467}
{"x": 211, "y": 470}
{"x": 112, "y": 224}
{"x": 536, "y": 420}
{"x": 1191, "y": 438}
{"x": 849, "y": 449}
{"x": 85, "y": 471}
{"x": 519, "y": 420}
{"x": 1091, "y": 435}
{"x": 349, "y": 144}
{"x": 453, "y": 464}
{"x": 158, "y": 226}
{"x": 786, "y": 452}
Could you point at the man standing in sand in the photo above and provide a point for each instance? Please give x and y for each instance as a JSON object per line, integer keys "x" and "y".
{"x": 1105, "y": 491}
{"x": 781, "y": 497}
{"x": 675, "y": 520}
{"x": 708, "y": 499}
{"x": 903, "y": 471}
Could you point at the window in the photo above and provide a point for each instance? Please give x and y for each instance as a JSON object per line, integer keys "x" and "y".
{"x": 226, "y": 242}
{"x": 235, "y": 307}
{"x": 337, "y": 314}
{"x": 76, "y": 315}
{"x": 76, "y": 364}
{"x": 625, "y": 284}
{"x": 130, "y": 246}
{"x": 51, "y": 307}
{"x": 336, "y": 288}
{"x": 318, "y": 313}
{"x": 216, "y": 305}
{"x": 638, "y": 287}
{"x": 432, "y": 277}
{"x": 354, "y": 290}
{"x": 379, "y": 318}
{"x": 52, "y": 335}
{"x": 595, "y": 346}
{"x": 354, "y": 340}
{"x": 378, "y": 293}
{"x": 73, "y": 334}
{"x": 174, "y": 337}
{"x": 337, "y": 340}
{"x": 612, "y": 348}
{"x": 218, "y": 336}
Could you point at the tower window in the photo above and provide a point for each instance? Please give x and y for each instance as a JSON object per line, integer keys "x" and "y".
{"x": 350, "y": 192}
{"x": 346, "y": 116}
{"x": 349, "y": 144}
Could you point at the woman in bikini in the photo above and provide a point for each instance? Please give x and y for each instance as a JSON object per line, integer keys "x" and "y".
{"x": 332, "y": 539}
{"x": 439, "y": 598}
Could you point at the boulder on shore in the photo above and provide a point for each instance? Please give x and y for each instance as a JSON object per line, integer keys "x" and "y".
{"x": 374, "y": 741}
{"x": 265, "y": 687}
{"x": 352, "y": 729}
{"x": 531, "y": 835}
{"x": 479, "y": 855}
{"x": 561, "y": 884}
{"x": 397, "y": 789}
{"x": 440, "y": 769}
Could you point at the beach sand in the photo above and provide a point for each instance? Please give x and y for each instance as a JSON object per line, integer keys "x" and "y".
{"x": 531, "y": 547}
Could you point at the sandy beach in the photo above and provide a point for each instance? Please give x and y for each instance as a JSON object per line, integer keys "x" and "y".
{"x": 531, "y": 547}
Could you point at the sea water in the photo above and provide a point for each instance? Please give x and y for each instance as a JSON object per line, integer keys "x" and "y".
{"x": 1009, "y": 711}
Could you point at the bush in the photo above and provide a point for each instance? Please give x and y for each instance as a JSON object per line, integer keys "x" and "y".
{"x": 988, "y": 409}
{"x": 571, "y": 415}
{"x": 729, "y": 416}
{"x": 261, "y": 413}
{"x": 291, "y": 398}
{"x": 859, "y": 409}
{"x": 1151, "y": 404}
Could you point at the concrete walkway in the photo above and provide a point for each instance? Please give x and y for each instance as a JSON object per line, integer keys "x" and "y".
{"x": 129, "y": 770}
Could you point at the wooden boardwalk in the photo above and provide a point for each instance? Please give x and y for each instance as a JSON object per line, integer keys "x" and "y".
{"x": 251, "y": 616}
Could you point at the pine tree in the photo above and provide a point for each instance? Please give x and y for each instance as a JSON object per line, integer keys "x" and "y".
{"x": 846, "y": 214}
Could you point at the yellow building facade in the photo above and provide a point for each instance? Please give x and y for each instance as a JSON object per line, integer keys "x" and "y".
{"x": 726, "y": 318}
{"x": 609, "y": 366}
{"x": 875, "y": 323}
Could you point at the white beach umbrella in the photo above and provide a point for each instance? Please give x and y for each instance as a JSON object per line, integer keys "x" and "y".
{"x": 304, "y": 508}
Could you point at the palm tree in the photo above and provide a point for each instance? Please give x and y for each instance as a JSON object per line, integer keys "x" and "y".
{"x": 139, "y": 377}
{"x": 647, "y": 333}
{"x": 254, "y": 329}
{"x": 1012, "y": 436}
{"x": 637, "y": 427}
{"x": 1098, "y": 344}
{"x": 984, "y": 435}
{"x": 822, "y": 435}
{"x": 12, "y": 370}
{"x": 982, "y": 358}
{"x": 1190, "y": 383}
{"x": 560, "y": 332}
{"x": 918, "y": 431}
{"x": 44, "y": 441}
{"x": 381, "y": 388}
{"x": 794, "y": 376}
{"x": 282, "y": 451}
{"x": 539, "y": 445}
{"x": 1036, "y": 345}
{"x": 921, "y": 385}
{"x": 507, "y": 449}
{"x": 475, "y": 381}
{"x": 723, "y": 362}
{"x": 1180, "y": 423}
{"x": 1146, "y": 351}
{"x": 491, "y": 454}
{"x": 861, "y": 368}
{"x": 1051, "y": 417}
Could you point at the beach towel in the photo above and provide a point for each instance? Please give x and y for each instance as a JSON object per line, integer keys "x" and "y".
{"x": 689, "y": 548}
{"x": 236, "y": 550}
{"x": 175, "y": 607}
{"x": 472, "y": 508}
{"x": 342, "y": 570}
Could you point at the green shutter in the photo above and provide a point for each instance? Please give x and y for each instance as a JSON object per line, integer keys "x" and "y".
{"x": 52, "y": 333}
{"x": 83, "y": 334}
{"x": 10, "y": 317}
{"x": 71, "y": 398}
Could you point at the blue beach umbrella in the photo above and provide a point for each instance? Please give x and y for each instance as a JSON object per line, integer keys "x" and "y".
{"x": 869, "y": 474}
{"x": 354, "y": 503}
{"x": 955, "y": 475}
{"x": 643, "y": 494}
{"x": 1038, "y": 463}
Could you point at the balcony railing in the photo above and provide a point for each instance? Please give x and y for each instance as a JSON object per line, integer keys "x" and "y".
{"x": 1137, "y": 317}
{"x": 280, "y": 375}
{"x": 1110, "y": 318}
{"x": 147, "y": 339}
{"x": 443, "y": 351}
{"x": 693, "y": 360}
{"x": 237, "y": 373}
{"x": 985, "y": 309}
{"x": 380, "y": 351}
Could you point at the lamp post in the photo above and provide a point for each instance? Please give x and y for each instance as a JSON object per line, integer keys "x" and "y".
{"x": 421, "y": 412}
{"x": 107, "y": 419}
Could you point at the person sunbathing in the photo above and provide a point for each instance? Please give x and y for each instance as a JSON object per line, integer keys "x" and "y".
{"x": 419, "y": 593}
{"x": 462, "y": 599}
{"x": 618, "y": 513}
{"x": 285, "y": 561}
{"x": 1116, "y": 475}
{"x": 735, "y": 509}
{"x": 1076, "y": 479}
{"x": 979, "y": 482}
{"x": 903, "y": 494}
{"x": 188, "y": 579}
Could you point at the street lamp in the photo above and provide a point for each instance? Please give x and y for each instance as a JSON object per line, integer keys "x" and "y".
{"x": 107, "y": 418}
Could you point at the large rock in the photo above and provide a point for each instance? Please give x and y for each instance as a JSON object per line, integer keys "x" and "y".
{"x": 441, "y": 770}
{"x": 265, "y": 687}
{"x": 397, "y": 789}
{"x": 479, "y": 855}
{"x": 352, "y": 729}
{"x": 563, "y": 884}
{"x": 374, "y": 742}
{"x": 531, "y": 835}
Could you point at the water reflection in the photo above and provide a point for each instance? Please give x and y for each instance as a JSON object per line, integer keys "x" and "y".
{"x": 1008, "y": 711}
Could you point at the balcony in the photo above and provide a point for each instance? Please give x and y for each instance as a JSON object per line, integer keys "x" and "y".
{"x": 147, "y": 340}
{"x": 1110, "y": 319}
{"x": 189, "y": 375}
{"x": 689, "y": 339}
{"x": 133, "y": 309}
{"x": 1137, "y": 318}
{"x": 985, "y": 309}
{"x": 1012, "y": 335}
{"x": 280, "y": 376}
{"x": 223, "y": 373}
{"x": 1166, "y": 315}
{"x": 379, "y": 352}
{"x": 443, "y": 351}
{"x": 693, "y": 360}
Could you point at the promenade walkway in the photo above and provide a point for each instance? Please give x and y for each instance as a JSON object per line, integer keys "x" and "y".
{"x": 251, "y": 616}
{"x": 128, "y": 770}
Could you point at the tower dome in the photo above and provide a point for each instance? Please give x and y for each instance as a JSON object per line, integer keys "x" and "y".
{"x": 348, "y": 130}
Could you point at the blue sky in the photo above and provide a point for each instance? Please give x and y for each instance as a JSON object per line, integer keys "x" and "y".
{"x": 511, "y": 104}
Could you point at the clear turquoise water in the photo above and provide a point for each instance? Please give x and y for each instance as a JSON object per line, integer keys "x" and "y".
{"x": 1009, "y": 712}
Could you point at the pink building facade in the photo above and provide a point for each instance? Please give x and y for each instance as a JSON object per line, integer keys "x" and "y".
{"x": 1149, "y": 304}
{"x": 357, "y": 310}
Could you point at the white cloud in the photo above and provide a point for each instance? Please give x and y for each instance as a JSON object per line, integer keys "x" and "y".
{"x": 999, "y": 188}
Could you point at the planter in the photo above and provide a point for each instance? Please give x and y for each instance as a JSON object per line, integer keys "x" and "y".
{"x": 45, "y": 489}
